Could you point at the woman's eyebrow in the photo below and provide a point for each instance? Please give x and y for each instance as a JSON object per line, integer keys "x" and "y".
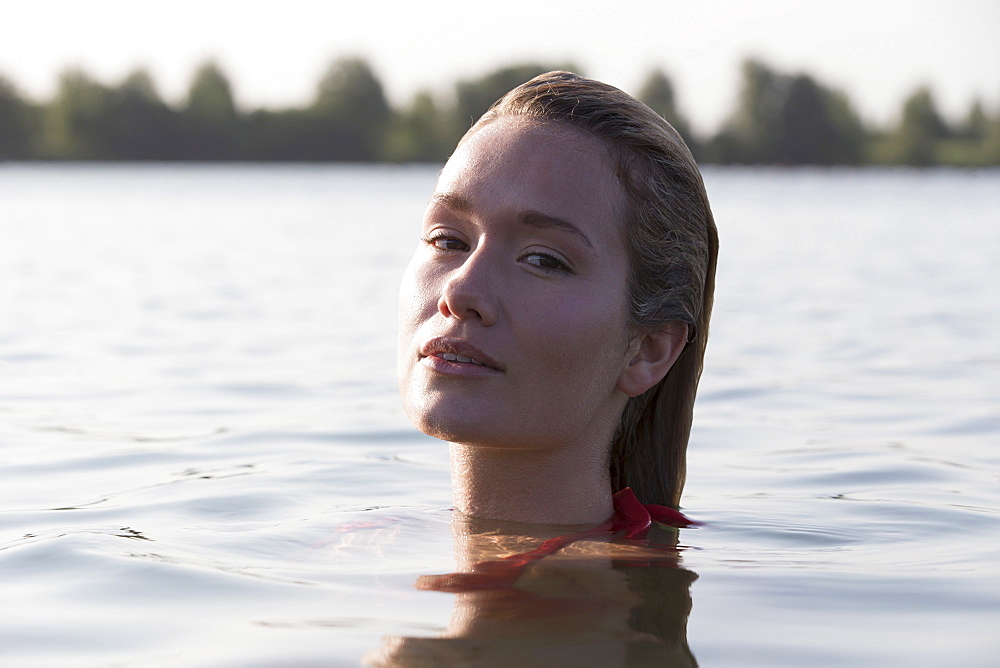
{"x": 545, "y": 221}
{"x": 452, "y": 201}
{"x": 460, "y": 204}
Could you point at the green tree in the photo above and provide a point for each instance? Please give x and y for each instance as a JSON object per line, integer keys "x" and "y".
{"x": 419, "y": 132}
{"x": 975, "y": 141}
{"x": 976, "y": 124}
{"x": 916, "y": 140}
{"x": 658, "y": 93}
{"x": 77, "y": 121}
{"x": 212, "y": 126}
{"x": 351, "y": 112}
{"x": 210, "y": 96}
{"x": 141, "y": 126}
{"x": 818, "y": 126}
{"x": 748, "y": 136}
{"x": 785, "y": 119}
{"x": 17, "y": 126}
{"x": 990, "y": 147}
{"x": 286, "y": 135}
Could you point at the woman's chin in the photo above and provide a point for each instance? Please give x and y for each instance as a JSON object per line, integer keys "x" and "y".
{"x": 456, "y": 416}
{"x": 466, "y": 428}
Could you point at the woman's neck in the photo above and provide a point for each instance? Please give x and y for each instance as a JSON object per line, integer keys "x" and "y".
{"x": 562, "y": 486}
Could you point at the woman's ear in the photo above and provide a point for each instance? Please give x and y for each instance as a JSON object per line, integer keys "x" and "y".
{"x": 650, "y": 356}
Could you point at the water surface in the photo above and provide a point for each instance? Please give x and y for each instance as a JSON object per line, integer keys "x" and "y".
{"x": 204, "y": 460}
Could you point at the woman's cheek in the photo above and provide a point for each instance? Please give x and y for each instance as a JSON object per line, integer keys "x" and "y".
{"x": 417, "y": 289}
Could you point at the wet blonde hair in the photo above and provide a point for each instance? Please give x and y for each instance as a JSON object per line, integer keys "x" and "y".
{"x": 672, "y": 243}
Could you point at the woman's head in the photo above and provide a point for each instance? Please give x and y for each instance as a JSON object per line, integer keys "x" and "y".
{"x": 652, "y": 211}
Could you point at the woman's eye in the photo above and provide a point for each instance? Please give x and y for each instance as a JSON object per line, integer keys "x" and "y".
{"x": 547, "y": 262}
{"x": 446, "y": 243}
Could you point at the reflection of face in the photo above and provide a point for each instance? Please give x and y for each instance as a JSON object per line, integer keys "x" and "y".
{"x": 513, "y": 308}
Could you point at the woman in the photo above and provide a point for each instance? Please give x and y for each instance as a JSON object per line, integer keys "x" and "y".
{"x": 554, "y": 317}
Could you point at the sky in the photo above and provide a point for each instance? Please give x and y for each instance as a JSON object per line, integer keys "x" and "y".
{"x": 878, "y": 51}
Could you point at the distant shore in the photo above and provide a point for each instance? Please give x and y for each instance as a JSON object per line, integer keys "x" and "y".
{"x": 779, "y": 119}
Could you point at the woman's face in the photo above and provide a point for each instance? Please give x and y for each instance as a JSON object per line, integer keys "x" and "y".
{"x": 513, "y": 309}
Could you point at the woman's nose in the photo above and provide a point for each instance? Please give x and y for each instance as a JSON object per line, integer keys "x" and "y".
{"x": 469, "y": 291}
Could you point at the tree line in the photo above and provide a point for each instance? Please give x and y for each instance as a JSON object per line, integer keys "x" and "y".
{"x": 779, "y": 119}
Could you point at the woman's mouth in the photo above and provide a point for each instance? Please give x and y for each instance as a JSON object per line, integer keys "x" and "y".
{"x": 453, "y": 355}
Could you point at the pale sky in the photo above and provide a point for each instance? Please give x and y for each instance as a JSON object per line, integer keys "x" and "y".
{"x": 878, "y": 51}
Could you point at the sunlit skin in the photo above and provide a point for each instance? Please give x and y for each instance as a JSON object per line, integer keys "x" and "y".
{"x": 521, "y": 268}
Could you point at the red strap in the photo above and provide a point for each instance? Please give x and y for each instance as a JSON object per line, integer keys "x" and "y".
{"x": 636, "y": 518}
{"x": 669, "y": 516}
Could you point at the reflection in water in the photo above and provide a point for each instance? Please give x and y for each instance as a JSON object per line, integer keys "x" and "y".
{"x": 597, "y": 600}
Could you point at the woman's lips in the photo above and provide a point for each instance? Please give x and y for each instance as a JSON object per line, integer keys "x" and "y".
{"x": 454, "y": 355}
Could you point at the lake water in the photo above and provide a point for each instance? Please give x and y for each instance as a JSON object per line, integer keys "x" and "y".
{"x": 203, "y": 460}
